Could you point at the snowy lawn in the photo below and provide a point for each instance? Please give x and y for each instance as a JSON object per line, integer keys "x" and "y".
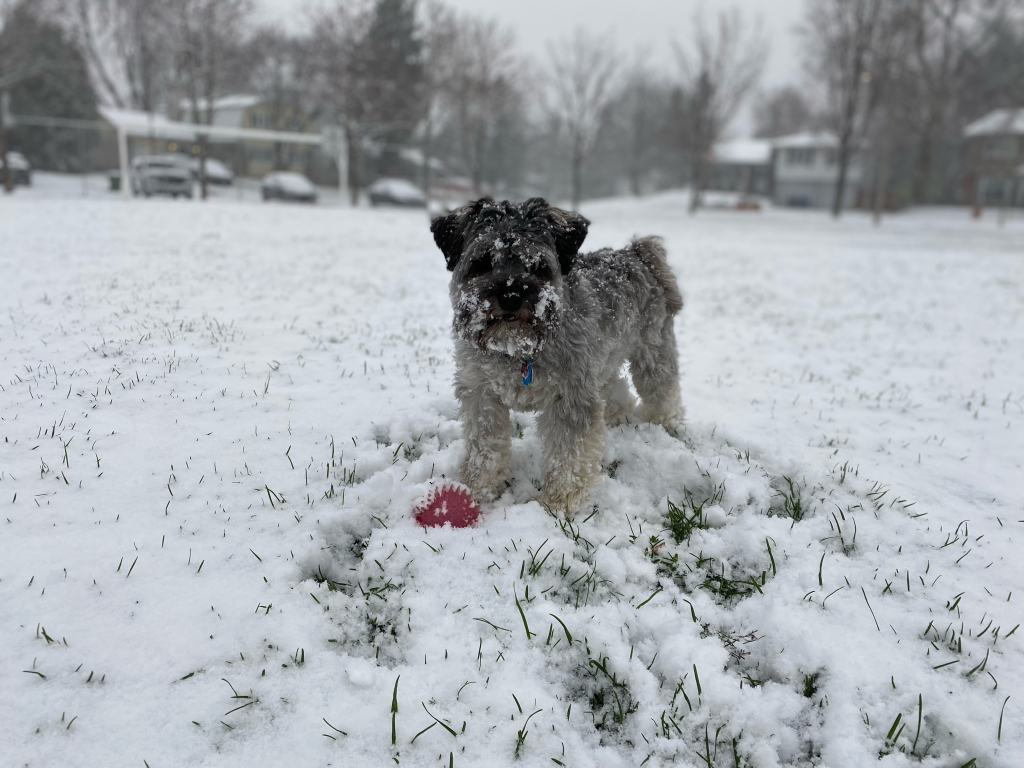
{"x": 216, "y": 419}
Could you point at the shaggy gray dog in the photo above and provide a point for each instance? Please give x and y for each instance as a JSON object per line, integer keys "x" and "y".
{"x": 539, "y": 326}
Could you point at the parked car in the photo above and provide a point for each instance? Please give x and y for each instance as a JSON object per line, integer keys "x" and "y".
{"x": 161, "y": 175}
{"x": 21, "y": 169}
{"x": 286, "y": 185}
{"x": 389, "y": 191}
{"x": 216, "y": 171}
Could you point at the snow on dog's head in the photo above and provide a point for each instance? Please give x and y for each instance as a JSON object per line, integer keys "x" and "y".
{"x": 508, "y": 261}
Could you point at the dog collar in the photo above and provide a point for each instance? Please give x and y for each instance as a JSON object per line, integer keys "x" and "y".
{"x": 527, "y": 372}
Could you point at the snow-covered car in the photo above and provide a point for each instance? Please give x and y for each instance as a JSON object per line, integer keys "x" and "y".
{"x": 389, "y": 191}
{"x": 216, "y": 171}
{"x": 21, "y": 169}
{"x": 287, "y": 185}
{"x": 161, "y": 175}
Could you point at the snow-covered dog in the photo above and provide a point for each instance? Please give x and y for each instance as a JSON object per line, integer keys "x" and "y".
{"x": 539, "y": 326}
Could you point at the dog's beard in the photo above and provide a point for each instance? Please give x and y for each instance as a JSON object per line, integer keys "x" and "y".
{"x": 482, "y": 323}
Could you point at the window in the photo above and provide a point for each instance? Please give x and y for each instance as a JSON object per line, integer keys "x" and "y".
{"x": 258, "y": 120}
{"x": 993, "y": 191}
{"x": 999, "y": 148}
{"x": 261, "y": 154}
{"x": 800, "y": 156}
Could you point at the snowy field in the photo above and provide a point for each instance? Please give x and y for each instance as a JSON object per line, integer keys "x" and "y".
{"x": 216, "y": 419}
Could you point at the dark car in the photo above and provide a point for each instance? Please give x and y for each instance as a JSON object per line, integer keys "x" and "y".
{"x": 390, "y": 191}
{"x": 287, "y": 185}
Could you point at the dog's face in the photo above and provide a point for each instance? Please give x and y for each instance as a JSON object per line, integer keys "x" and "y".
{"x": 507, "y": 262}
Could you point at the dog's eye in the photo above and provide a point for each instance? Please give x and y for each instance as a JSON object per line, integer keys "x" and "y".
{"x": 478, "y": 268}
{"x": 542, "y": 271}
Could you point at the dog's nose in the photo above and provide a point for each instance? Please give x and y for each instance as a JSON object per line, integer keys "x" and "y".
{"x": 510, "y": 301}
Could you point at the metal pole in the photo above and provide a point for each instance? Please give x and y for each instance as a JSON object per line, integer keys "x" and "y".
{"x": 122, "y": 157}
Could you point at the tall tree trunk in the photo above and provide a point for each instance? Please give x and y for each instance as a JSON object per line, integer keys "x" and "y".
{"x": 923, "y": 169}
{"x": 577, "y": 177}
{"x": 352, "y": 139}
{"x": 8, "y": 178}
{"x": 843, "y": 160}
{"x": 882, "y": 173}
{"x": 699, "y": 182}
{"x": 428, "y": 138}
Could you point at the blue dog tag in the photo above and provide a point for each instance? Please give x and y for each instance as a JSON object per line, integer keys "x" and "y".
{"x": 527, "y": 371}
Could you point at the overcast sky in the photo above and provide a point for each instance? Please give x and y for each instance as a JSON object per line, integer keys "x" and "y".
{"x": 646, "y": 25}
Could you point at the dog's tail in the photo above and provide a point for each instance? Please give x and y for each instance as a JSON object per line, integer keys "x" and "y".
{"x": 651, "y": 252}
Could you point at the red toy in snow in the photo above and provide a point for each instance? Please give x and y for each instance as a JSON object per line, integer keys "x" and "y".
{"x": 452, "y": 504}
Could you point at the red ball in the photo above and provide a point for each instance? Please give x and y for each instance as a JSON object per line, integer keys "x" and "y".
{"x": 452, "y": 504}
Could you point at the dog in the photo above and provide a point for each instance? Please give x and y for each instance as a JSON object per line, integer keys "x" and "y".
{"x": 539, "y": 326}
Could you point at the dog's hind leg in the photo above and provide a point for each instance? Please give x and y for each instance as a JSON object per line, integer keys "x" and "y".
{"x": 620, "y": 405}
{"x": 573, "y": 444}
{"x": 487, "y": 430}
{"x": 654, "y": 368}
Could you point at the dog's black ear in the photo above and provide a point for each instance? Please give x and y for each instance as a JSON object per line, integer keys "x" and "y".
{"x": 450, "y": 230}
{"x": 449, "y": 234}
{"x": 570, "y": 230}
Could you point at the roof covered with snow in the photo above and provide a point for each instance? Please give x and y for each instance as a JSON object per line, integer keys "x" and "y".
{"x": 136, "y": 121}
{"x": 998, "y": 121}
{"x": 744, "y": 152}
{"x": 806, "y": 139}
{"x": 234, "y": 101}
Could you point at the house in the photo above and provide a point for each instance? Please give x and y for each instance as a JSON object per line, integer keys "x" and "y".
{"x": 148, "y": 133}
{"x": 742, "y": 165}
{"x": 994, "y": 158}
{"x": 805, "y": 171}
{"x": 258, "y": 158}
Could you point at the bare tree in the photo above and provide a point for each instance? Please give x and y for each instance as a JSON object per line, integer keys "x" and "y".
{"x": 439, "y": 39}
{"x": 841, "y": 41}
{"x": 208, "y": 36}
{"x": 780, "y": 112}
{"x": 126, "y": 45}
{"x": 342, "y": 81}
{"x": 278, "y": 74}
{"x": 484, "y": 82}
{"x": 637, "y": 118}
{"x": 891, "y": 85}
{"x": 941, "y": 45}
{"x": 716, "y": 75}
{"x": 582, "y": 83}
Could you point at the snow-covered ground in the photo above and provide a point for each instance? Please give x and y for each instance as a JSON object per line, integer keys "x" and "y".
{"x": 216, "y": 419}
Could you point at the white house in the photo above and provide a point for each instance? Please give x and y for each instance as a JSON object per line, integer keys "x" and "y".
{"x": 994, "y": 158}
{"x": 805, "y": 171}
{"x": 742, "y": 165}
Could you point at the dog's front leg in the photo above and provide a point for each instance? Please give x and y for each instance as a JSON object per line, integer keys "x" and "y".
{"x": 488, "y": 433}
{"x": 573, "y": 444}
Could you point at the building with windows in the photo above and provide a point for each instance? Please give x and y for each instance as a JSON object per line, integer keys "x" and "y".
{"x": 257, "y": 158}
{"x": 742, "y": 165}
{"x": 805, "y": 171}
{"x": 994, "y": 159}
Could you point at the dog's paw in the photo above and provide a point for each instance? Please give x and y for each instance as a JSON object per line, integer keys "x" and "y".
{"x": 485, "y": 486}
{"x": 672, "y": 419}
{"x": 674, "y": 426}
{"x": 563, "y": 500}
